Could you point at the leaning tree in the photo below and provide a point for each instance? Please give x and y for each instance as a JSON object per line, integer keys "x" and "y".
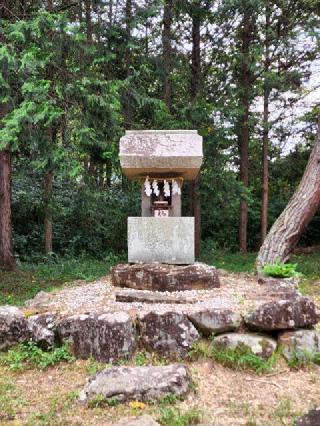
{"x": 288, "y": 228}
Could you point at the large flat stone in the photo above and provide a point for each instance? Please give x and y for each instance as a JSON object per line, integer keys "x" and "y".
{"x": 169, "y": 334}
{"x": 164, "y": 240}
{"x": 213, "y": 321}
{"x": 129, "y": 296}
{"x": 137, "y": 383}
{"x": 13, "y": 327}
{"x": 298, "y": 312}
{"x": 161, "y": 277}
{"x": 105, "y": 337}
{"x": 158, "y": 153}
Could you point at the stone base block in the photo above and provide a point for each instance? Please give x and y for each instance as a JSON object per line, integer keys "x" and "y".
{"x": 159, "y": 277}
{"x": 163, "y": 240}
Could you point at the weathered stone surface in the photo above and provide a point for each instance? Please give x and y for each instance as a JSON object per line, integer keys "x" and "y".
{"x": 165, "y": 152}
{"x": 262, "y": 346}
{"x": 153, "y": 239}
{"x": 280, "y": 283}
{"x": 137, "y": 383}
{"x": 211, "y": 321}
{"x": 299, "y": 343}
{"x": 312, "y": 418}
{"x": 297, "y": 312}
{"x": 130, "y": 296}
{"x": 13, "y": 327}
{"x": 42, "y": 329}
{"x": 145, "y": 420}
{"x": 169, "y": 334}
{"x": 160, "y": 277}
{"x": 106, "y": 337}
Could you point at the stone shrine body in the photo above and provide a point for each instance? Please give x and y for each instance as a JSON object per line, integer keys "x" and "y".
{"x": 162, "y": 160}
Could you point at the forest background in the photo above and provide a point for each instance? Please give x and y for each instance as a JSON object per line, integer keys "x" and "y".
{"x": 76, "y": 74}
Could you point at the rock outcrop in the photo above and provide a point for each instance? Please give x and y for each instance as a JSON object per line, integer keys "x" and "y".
{"x": 299, "y": 343}
{"x": 297, "y": 312}
{"x": 13, "y": 327}
{"x": 213, "y": 321}
{"x": 106, "y": 337}
{"x": 42, "y": 329}
{"x": 137, "y": 383}
{"x": 164, "y": 277}
{"x": 169, "y": 334}
{"x": 262, "y": 346}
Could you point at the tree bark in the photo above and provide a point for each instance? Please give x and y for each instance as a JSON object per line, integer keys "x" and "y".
{"x": 194, "y": 90}
{"x": 244, "y": 125}
{"x": 7, "y": 261}
{"x": 167, "y": 52}
{"x": 288, "y": 228}
{"x": 127, "y": 110}
{"x": 48, "y": 183}
{"x": 265, "y": 135}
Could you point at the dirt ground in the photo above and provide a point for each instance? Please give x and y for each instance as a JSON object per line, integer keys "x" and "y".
{"x": 224, "y": 396}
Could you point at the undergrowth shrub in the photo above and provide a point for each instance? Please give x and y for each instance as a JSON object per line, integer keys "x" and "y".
{"x": 239, "y": 359}
{"x": 281, "y": 270}
{"x": 29, "y": 355}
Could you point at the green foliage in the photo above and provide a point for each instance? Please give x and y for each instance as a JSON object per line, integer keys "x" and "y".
{"x": 171, "y": 416}
{"x": 240, "y": 358}
{"x": 51, "y": 273}
{"x": 281, "y": 270}
{"x": 29, "y": 355}
{"x": 303, "y": 359}
{"x": 99, "y": 401}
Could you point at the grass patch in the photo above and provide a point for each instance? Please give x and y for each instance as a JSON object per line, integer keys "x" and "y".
{"x": 238, "y": 359}
{"x": 172, "y": 416}
{"x": 303, "y": 359}
{"x": 100, "y": 401}
{"x": 17, "y": 287}
{"x": 28, "y": 355}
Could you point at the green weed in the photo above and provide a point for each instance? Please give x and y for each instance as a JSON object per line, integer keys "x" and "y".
{"x": 239, "y": 359}
{"x": 99, "y": 401}
{"x": 171, "y": 416}
{"x": 281, "y": 270}
{"x": 28, "y": 355}
{"x": 303, "y": 359}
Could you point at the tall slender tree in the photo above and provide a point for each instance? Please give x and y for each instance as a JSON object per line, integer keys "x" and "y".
{"x": 7, "y": 260}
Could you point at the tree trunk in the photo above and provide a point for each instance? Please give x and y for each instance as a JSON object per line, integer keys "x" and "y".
{"x": 127, "y": 110}
{"x": 265, "y": 135}
{"x": 48, "y": 182}
{"x": 244, "y": 126}
{"x": 195, "y": 89}
{"x": 288, "y": 228}
{"x": 7, "y": 261}
{"x": 167, "y": 52}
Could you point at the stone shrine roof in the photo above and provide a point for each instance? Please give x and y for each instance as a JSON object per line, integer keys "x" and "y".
{"x": 157, "y": 153}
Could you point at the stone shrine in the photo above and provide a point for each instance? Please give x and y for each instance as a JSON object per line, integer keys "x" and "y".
{"x": 161, "y": 160}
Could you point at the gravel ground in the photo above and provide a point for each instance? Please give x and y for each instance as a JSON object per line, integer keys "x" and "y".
{"x": 238, "y": 292}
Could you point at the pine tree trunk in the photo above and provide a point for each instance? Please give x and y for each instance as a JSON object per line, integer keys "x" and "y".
{"x": 7, "y": 261}
{"x": 288, "y": 228}
{"x": 48, "y": 183}
{"x": 167, "y": 52}
{"x": 265, "y": 135}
